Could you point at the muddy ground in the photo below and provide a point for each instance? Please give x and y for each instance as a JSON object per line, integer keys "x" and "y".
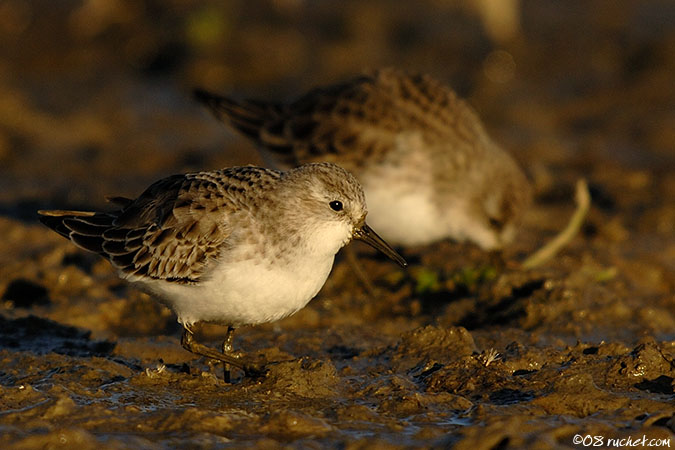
{"x": 462, "y": 350}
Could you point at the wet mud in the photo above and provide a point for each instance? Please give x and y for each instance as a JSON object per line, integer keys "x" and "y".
{"x": 462, "y": 350}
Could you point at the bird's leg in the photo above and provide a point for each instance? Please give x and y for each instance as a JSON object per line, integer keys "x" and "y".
{"x": 227, "y": 343}
{"x": 361, "y": 275}
{"x": 228, "y": 350}
{"x": 497, "y": 260}
{"x": 189, "y": 344}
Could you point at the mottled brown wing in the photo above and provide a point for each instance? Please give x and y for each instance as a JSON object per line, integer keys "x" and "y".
{"x": 170, "y": 232}
{"x": 365, "y": 115}
{"x": 291, "y": 132}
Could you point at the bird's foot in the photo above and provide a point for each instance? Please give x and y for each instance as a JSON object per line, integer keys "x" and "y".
{"x": 227, "y": 358}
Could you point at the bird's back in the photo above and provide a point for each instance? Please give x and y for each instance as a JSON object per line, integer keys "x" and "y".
{"x": 172, "y": 230}
{"x": 354, "y": 122}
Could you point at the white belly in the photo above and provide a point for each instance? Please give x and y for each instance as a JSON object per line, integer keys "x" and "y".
{"x": 408, "y": 216}
{"x": 404, "y": 216}
{"x": 245, "y": 293}
{"x": 403, "y": 203}
{"x": 399, "y": 195}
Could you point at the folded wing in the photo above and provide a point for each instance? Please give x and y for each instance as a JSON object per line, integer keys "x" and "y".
{"x": 170, "y": 232}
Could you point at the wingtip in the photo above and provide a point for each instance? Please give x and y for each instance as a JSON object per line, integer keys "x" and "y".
{"x": 119, "y": 201}
{"x": 62, "y": 212}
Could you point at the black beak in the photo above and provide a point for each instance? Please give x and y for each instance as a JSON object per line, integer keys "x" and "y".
{"x": 367, "y": 235}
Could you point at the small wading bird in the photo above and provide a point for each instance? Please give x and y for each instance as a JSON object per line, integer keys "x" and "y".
{"x": 428, "y": 167}
{"x": 237, "y": 246}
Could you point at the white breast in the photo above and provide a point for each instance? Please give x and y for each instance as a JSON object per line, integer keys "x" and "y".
{"x": 403, "y": 216}
{"x": 403, "y": 201}
{"x": 399, "y": 195}
{"x": 246, "y": 292}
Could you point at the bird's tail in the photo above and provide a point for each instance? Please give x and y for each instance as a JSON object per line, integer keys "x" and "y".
{"x": 85, "y": 229}
{"x": 249, "y": 117}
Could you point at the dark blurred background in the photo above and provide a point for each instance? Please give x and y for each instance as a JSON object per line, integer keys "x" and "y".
{"x": 95, "y": 95}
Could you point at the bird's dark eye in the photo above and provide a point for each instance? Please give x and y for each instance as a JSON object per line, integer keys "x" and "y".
{"x": 336, "y": 205}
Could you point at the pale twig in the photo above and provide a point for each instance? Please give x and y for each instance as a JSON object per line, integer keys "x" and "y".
{"x": 487, "y": 357}
{"x": 548, "y": 251}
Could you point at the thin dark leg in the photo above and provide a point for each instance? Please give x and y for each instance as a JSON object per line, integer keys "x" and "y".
{"x": 189, "y": 344}
{"x": 496, "y": 259}
{"x": 354, "y": 263}
{"x": 227, "y": 350}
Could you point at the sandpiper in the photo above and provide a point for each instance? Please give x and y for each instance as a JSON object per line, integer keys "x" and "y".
{"x": 237, "y": 246}
{"x": 428, "y": 167}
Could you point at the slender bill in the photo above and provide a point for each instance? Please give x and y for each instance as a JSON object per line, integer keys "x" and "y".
{"x": 367, "y": 235}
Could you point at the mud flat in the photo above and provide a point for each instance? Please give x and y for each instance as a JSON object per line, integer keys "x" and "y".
{"x": 462, "y": 350}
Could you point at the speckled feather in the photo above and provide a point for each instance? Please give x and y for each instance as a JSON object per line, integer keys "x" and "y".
{"x": 429, "y": 168}
{"x": 237, "y": 246}
{"x": 173, "y": 229}
{"x": 366, "y": 113}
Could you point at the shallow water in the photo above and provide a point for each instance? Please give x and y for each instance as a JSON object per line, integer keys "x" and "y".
{"x": 461, "y": 350}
